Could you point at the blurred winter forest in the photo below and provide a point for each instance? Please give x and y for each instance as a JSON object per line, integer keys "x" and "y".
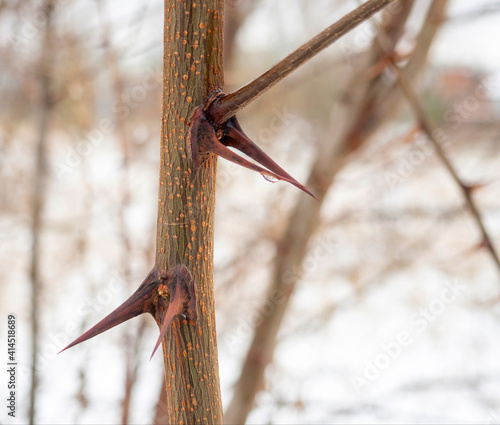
{"x": 381, "y": 304}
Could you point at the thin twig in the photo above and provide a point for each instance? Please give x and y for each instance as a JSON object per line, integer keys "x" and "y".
{"x": 302, "y": 225}
{"x": 229, "y": 105}
{"x": 428, "y": 128}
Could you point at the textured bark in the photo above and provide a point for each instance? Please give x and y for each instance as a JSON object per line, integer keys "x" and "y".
{"x": 192, "y": 69}
{"x": 356, "y": 107}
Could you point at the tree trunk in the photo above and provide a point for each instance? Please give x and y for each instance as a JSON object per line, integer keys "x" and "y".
{"x": 197, "y": 123}
{"x": 185, "y": 230}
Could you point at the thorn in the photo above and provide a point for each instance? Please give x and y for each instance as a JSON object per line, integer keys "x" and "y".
{"x": 203, "y": 139}
{"x": 182, "y": 300}
{"x": 206, "y": 141}
{"x": 175, "y": 307}
{"x": 140, "y": 302}
{"x": 236, "y": 138}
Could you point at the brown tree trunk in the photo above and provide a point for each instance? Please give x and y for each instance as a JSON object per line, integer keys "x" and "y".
{"x": 185, "y": 230}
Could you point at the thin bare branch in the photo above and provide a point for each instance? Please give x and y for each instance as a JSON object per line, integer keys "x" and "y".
{"x": 301, "y": 227}
{"x": 429, "y": 130}
{"x": 227, "y": 106}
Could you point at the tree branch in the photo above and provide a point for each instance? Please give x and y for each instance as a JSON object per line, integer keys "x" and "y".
{"x": 428, "y": 129}
{"x": 227, "y": 106}
{"x": 292, "y": 247}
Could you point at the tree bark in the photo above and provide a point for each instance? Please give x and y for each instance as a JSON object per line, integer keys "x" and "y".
{"x": 193, "y": 62}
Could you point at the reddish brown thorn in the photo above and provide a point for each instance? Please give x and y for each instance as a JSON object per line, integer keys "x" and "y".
{"x": 182, "y": 299}
{"x": 140, "y": 302}
{"x": 236, "y": 138}
{"x": 202, "y": 140}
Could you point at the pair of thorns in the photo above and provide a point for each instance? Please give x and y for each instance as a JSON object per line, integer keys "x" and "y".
{"x": 165, "y": 294}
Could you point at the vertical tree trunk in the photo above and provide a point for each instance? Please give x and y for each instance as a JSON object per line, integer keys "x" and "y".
{"x": 45, "y": 109}
{"x": 192, "y": 69}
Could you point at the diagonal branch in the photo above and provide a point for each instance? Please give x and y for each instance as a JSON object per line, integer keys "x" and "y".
{"x": 227, "y": 106}
{"x": 428, "y": 129}
{"x": 292, "y": 247}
